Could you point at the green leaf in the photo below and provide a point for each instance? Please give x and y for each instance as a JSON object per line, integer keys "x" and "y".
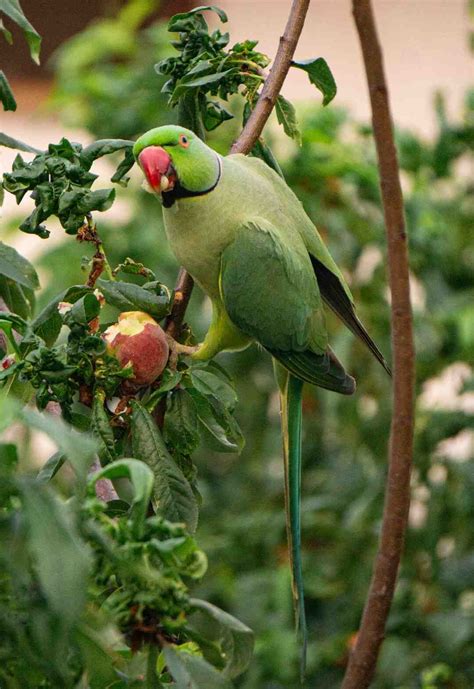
{"x": 320, "y": 75}
{"x": 220, "y": 430}
{"x": 84, "y": 310}
{"x": 173, "y": 496}
{"x": 124, "y": 166}
{"x": 187, "y": 83}
{"x": 286, "y": 116}
{"x": 6, "y": 94}
{"x": 13, "y": 10}
{"x": 101, "y": 148}
{"x": 98, "y": 658}
{"x": 181, "y": 423}
{"x": 51, "y": 468}
{"x": 48, "y": 322}
{"x": 102, "y": 428}
{"x": 17, "y": 268}
{"x": 63, "y": 561}
{"x": 19, "y": 299}
{"x": 192, "y": 672}
{"x": 78, "y": 447}
{"x": 141, "y": 478}
{"x": 178, "y": 21}
{"x": 236, "y": 639}
{"x": 126, "y": 296}
{"x": 209, "y": 383}
{"x": 8, "y": 458}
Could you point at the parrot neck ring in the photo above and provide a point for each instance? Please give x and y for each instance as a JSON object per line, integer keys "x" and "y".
{"x": 162, "y": 178}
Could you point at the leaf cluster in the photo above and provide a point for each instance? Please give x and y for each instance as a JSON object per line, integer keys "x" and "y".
{"x": 60, "y": 182}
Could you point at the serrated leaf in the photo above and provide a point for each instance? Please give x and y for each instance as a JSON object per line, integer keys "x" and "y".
{"x": 320, "y": 75}
{"x": 12, "y": 9}
{"x": 126, "y": 296}
{"x": 17, "y": 268}
{"x": 141, "y": 477}
{"x": 173, "y": 496}
{"x": 53, "y": 539}
{"x": 286, "y": 116}
{"x": 235, "y": 638}
{"x": 192, "y": 672}
{"x": 6, "y": 94}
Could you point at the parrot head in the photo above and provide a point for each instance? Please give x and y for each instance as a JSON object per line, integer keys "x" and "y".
{"x": 176, "y": 163}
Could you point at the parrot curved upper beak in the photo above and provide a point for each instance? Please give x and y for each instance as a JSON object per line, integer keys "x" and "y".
{"x": 157, "y": 168}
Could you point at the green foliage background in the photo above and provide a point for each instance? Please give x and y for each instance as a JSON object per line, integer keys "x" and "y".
{"x": 430, "y": 636}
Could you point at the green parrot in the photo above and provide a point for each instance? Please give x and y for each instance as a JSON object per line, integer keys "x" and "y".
{"x": 245, "y": 238}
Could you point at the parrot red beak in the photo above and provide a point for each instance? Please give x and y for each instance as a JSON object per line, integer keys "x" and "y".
{"x": 157, "y": 168}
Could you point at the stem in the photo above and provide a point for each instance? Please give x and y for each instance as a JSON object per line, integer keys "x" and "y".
{"x": 362, "y": 662}
{"x": 250, "y": 134}
{"x": 152, "y": 681}
{"x": 274, "y": 82}
{"x": 88, "y": 233}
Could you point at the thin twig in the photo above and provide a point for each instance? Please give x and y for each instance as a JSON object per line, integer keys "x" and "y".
{"x": 250, "y": 134}
{"x": 362, "y": 662}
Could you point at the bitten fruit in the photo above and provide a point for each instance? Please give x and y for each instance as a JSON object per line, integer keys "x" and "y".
{"x": 138, "y": 339}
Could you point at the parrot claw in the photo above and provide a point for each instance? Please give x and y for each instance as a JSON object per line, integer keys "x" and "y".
{"x": 176, "y": 348}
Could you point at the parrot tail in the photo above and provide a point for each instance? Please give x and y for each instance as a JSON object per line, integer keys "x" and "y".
{"x": 291, "y": 395}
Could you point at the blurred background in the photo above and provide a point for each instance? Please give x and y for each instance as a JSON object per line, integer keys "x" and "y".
{"x": 97, "y": 80}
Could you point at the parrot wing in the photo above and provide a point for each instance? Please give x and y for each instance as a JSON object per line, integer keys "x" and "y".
{"x": 270, "y": 292}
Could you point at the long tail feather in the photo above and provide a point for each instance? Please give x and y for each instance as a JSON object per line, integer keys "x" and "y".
{"x": 291, "y": 417}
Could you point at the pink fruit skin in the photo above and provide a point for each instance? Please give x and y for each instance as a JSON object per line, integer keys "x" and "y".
{"x": 147, "y": 350}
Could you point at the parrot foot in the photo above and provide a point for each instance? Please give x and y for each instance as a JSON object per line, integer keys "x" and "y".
{"x": 176, "y": 348}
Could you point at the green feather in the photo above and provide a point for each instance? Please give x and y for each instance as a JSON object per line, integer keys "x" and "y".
{"x": 291, "y": 389}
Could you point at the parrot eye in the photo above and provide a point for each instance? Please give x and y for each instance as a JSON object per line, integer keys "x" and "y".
{"x": 183, "y": 140}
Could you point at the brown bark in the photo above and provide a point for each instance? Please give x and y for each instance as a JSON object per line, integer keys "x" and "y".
{"x": 363, "y": 659}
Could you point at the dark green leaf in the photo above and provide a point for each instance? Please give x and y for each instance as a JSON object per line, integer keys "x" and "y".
{"x": 102, "y": 429}
{"x": 220, "y": 430}
{"x": 178, "y": 21}
{"x": 54, "y": 539}
{"x": 13, "y": 10}
{"x": 141, "y": 477}
{"x": 124, "y": 166}
{"x": 6, "y": 94}
{"x": 126, "y": 296}
{"x": 17, "y": 268}
{"x": 16, "y": 297}
{"x": 173, "y": 495}
{"x": 51, "y": 467}
{"x": 209, "y": 383}
{"x": 236, "y": 639}
{"x": 187, "y": 83}
{"x": 8, "y": 458}
{"x": 192, "y": 672}
{"x": 320, "y": 75}
{"x": 98, "y": 658}
{"x": 101, "y": 148}
{"x": 181, "y": 424}
{"x": 48, "y": 322}
{"x": 84, "y": 310}
{"x": 286, "y": 116}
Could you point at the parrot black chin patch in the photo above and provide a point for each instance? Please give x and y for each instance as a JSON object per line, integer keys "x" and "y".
{"x": 179, "y": 192}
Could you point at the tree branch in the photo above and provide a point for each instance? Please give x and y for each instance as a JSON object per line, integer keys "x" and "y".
{"x": 275, "y": 79}
{"x": 362, "y": 662}
{"x": 249, "y": 135}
